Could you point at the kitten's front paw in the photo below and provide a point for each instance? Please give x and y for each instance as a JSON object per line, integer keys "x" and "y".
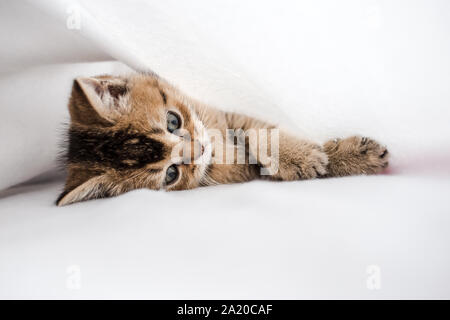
{"x": 356, "y": 155}
{"x": 308, "y": 163}
{"x": 374, "y": 156}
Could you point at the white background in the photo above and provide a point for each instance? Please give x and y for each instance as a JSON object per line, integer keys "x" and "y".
{"x": 327, "y": 68}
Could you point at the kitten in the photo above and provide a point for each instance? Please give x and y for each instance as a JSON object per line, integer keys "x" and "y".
{"x": 140, "y": 132}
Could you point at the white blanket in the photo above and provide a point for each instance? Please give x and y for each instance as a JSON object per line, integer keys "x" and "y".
{"x": 326, "y": 68}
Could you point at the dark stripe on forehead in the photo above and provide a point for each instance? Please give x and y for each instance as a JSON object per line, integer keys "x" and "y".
{"x": 117, "y": 90}
{"x": 119, "y": 149}
{"x": 154, "y": 170}
{"x": 163, "y": 96}
{"x": 155, "y": 131}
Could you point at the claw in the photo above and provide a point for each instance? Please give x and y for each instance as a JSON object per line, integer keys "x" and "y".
{"x": 364, "y": 140}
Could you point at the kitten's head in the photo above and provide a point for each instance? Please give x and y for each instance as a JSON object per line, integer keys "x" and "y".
{"x": 128, "y": 133}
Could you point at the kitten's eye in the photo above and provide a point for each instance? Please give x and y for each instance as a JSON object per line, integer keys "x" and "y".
{"x": 173, "y": 121}
{"x": 171, "y": 174}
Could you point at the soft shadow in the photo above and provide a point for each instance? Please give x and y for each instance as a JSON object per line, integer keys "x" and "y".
{"x": 30, "y": 185}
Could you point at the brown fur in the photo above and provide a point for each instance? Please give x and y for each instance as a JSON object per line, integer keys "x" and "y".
{"x": 119, "y": 141}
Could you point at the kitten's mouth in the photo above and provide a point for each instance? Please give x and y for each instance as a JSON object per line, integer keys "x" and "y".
{"x": 206, "y": 152}
{"x": 205, "y": 144}
{"x": 202, "y": 135}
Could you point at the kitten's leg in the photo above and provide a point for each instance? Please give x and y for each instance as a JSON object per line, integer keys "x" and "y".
{"x": 355, "y": 155}
{"x": 299, "y": 159}
{"x": 296, "y": 159}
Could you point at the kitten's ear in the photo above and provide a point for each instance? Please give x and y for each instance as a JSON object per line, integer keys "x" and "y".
{"x": 93, "y": 188}
{"x": 99, "y": 100}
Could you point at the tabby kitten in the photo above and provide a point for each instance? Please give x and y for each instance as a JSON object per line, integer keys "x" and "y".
{"x": 140, "y": 132}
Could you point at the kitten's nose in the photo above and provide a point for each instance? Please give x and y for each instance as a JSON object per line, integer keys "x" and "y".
{"x": 191, "y": 151}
